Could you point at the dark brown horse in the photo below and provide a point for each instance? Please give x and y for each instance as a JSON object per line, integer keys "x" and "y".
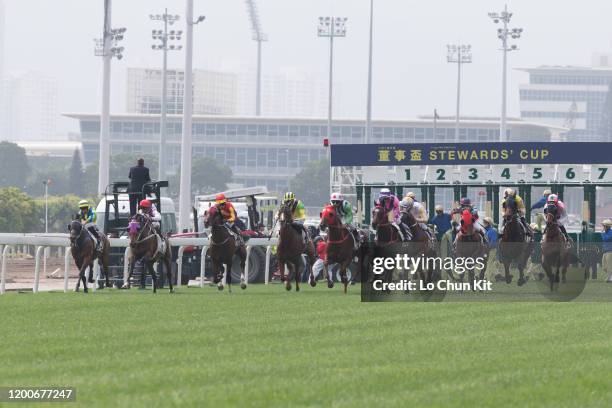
{"x": 340, "y": 246}
{"x": 223, "y": 247}
{"x": 470, "y": 244}
{"x": 422, "y": 243}
{"x": 555, "y": 252}
{"x": 144, "y": 246}
{"x": 290, "y": 249}
{"x": 387, "y": 242}
{"x": 84, "y": 253}
{"x": 514, "y": 245}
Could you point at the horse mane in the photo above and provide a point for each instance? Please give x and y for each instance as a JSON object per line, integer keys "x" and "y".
{"x": 511, "y": 203}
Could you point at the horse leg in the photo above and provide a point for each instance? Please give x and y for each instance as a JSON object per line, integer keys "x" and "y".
{"x": 78, "y": 265}
{"x": 103, "y": 262}
{"x": 151, "y": 269}
{"x": 168, "y": 265}
{"x": 507, "y": 272}
{"x": 243, "y": 278}
{"x": 289, "y": 266}
{"x": 228, "y": 276}
{"x": 329, "y": 277}
{"x": 82, "y": 276}
{"x": 343, "y": 276}
{"x": 90, "y": 278}
{"x": 127, "y": 284}
{"x": 218, "y": 267}
{"x": 298, "y": 275}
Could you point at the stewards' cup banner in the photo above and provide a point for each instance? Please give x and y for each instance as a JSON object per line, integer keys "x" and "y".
{"x": 470, "y": 153}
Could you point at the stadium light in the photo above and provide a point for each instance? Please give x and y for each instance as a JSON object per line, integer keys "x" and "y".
{"x": 458, "y": 54}
{"x": 503, "y": 34}
{"x": 165, "y": 37}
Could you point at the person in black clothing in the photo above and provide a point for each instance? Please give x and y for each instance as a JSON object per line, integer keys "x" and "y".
{"x": 139, "y": 176}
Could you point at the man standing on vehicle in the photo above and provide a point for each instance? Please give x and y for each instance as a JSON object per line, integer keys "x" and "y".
{"x": 139, "y": 176}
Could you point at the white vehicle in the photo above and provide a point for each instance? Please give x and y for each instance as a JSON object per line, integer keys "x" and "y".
{"x": 168, "y": 214}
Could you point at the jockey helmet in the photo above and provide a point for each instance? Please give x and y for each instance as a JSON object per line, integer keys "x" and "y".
{"x": 509, "y": 192}
{"x": 84, "y": 204}
{"x": 439, "y": 208}
{"x": 289, "y": 196}
{"x": 220, "y": 199}
{"x": 407, "y": 203}
{"x": 547, "y": 192}
{"x": 411, "y": 195}
{"x": 385, "y": 192}
{"x": 607, "y": 223}
{"x": 145, "y": 204}
{"x": 465, "y": 201}
{"x": 336, "y": 197}
{"x": 553, "y": 198}
{"x": 487, "y": 220}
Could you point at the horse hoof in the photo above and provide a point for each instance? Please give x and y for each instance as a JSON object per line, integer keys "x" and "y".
{"x": 171, "y": 291}
{"x": 521, "y": 282}
{"x": 509, "y": 279}
{"x": 288, "y": 287}
{"x": 85, "y": 291}
{"x": 297, "y": 288}
{"x": 220, "y": 287}
{"x": 243, "y": 286}
{"x": 563, "y": 280}
{"x": 330, "y": 284}
{"x": 90, "y": 280}
{"x": 313, "y": 283}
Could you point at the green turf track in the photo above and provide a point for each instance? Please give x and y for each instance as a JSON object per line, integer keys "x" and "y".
{"x": 266, "y": 347}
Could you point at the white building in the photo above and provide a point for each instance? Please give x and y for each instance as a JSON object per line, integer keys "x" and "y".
{"x": 569, "y": 96}
{"x": 289, "y": 93}
{"x": 29, "y": 107}
{"x": 214, "y": 92}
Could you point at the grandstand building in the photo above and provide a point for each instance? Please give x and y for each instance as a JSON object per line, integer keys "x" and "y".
{"x": 569, "y": 96}
{"x": 271, "y": 151}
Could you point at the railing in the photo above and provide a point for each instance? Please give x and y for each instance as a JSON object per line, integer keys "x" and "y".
{"x": 42, "y": 241}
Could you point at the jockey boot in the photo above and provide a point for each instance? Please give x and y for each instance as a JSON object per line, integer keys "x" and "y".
{"x": 96, "y": 235}
{"x": 567, "y": 237}
{"x": 527, "y": 228}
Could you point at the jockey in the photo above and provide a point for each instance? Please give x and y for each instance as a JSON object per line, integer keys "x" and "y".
{"x": 390, "y": 203}
{"x": 298, "y": 211}
{"x": 147, "y": 208}
{"x": 228, "y": 212}
{"x": 466, "y": 204}
{"x": 520, "y": 207}
{"x": 417, "y": 209}
{"x": 87, "y": 216}
{"x": 561, "y": 213}
{"x": 343, "y": 208}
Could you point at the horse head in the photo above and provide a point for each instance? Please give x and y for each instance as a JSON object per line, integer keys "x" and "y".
{"x": 76, "y": 228}
{"x": 285, "y": 214}
{"x": 551, "y": 214}
{"x": 379, "y": 216}
{"x": 329, "y": 216}
{"x": 511, "y": 209}
{"x": 213, "y": 217}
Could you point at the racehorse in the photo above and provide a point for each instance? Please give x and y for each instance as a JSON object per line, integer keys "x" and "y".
{"x": 555, "y": 252}
{"x": 290, "y": 249}
{"x": 514, "y": 245}
{"x": 386, "y": 241}
{"x": 223, "y": 247}
{"x": 84, "y": 253}
{"x": 422, "y": 243}
{"x": 144, "y": 246}
{"x": 340, "y": 246}
{"x": 470, "y": 244}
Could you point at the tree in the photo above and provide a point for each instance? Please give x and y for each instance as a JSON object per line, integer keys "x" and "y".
{"x": 17, "y": 211}
{"x": 61, "y": 211}
{"x": 311, "y": 184}
{"x": 209, "y": 176}
{"x": 14, "y": 167}
{"x": 76, "y": 174}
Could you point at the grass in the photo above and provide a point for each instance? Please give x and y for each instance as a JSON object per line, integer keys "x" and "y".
{"x": 267, "y": 347}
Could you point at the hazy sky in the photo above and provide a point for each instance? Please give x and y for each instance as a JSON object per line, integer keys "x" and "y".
{"x": 411, "y": 75}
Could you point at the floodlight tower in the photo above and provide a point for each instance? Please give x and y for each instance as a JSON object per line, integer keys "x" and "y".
{"x": 503, "y": 33}
{"x": 107, "y": 47}
{"x": 165, "y": 37}
{"x": 260, "y": 37}
{"x": 458, "y": 54}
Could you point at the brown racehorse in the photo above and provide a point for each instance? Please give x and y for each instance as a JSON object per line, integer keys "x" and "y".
{"x": 223, "y": 247}
{"x": 514, "y": 245}
{"x": 84, "y": 253}
{"x": 555, "y": 253}
{"x": 422, "y": 243}
{"x": 290, "y": 249}
{"x": 387, "y": 240}
{"x": 143, "y": 246}
{"x": 340, "y": 245}
{"x": 469, "y": 244}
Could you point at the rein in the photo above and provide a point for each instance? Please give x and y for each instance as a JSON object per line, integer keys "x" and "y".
{"x": 338, "y": 227}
